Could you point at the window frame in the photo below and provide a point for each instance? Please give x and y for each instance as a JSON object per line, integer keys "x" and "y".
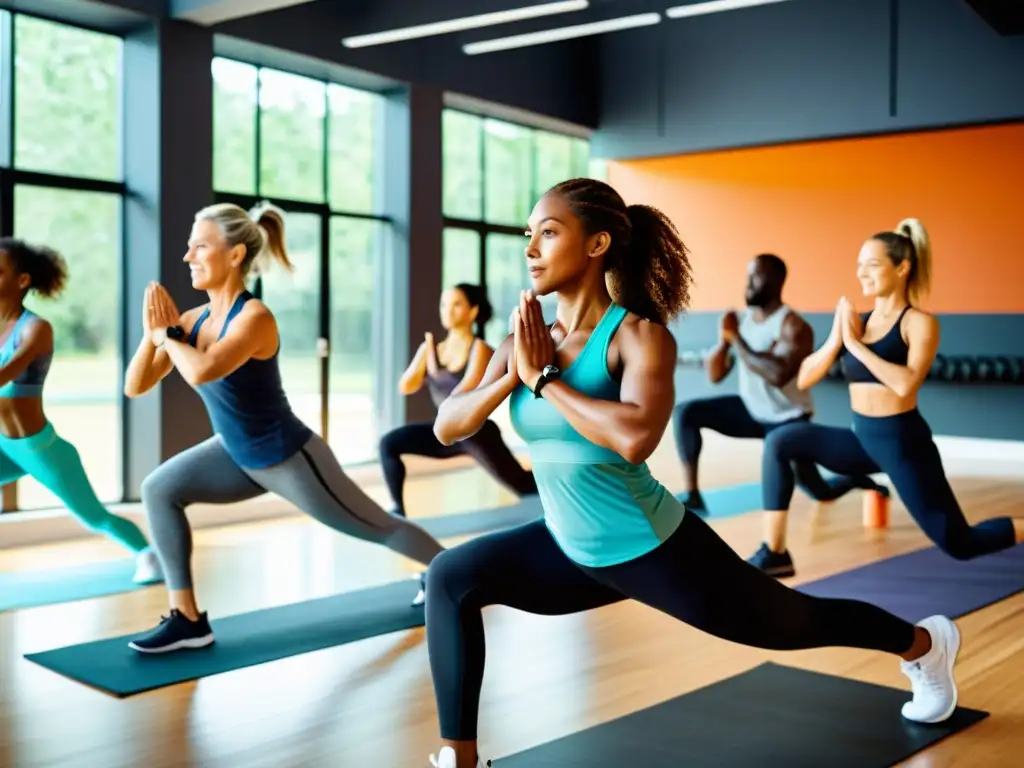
{"x": 12, "y": 177}
{"x": 323, "y": 210}
{"x": 482, "y": 227}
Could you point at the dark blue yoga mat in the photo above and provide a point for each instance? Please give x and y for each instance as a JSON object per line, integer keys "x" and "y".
{"x": 928, "y": 582}
{"x": 243, "y": 640}
{"x": 771, "y": 715}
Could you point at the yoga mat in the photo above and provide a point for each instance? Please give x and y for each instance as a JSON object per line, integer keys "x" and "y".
{"x": 771, "y": 715}
{"x": 243, "y": 640}
{"x": 928, "y": 582}
{"x": 27, "y": 589}
{"x": 730, "y": 501}
{"x": 30, "y": 589}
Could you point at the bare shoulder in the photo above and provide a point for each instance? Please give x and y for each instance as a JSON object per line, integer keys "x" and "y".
{"x": 920, "y": 321}
{"x": 794, "y": 324}
{"x": 257, "y": 315}
{"x": 645, "y": 338}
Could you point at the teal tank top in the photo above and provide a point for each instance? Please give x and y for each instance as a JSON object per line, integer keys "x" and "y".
{"x": 30, "y": 382}
{"x": 600, "y": 509}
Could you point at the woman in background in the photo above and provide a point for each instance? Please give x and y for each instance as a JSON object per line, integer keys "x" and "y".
{"x": 885, "y": 356}
{"x": 29, "y": 445}
{"x": 454, "y": 365}
{"x": 227, "y": 349}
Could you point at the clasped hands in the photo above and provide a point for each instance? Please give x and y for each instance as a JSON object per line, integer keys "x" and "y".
{"x": 847, "y": 326}
{"x": 159, "y": 312}
{"x": 533, "y": 347}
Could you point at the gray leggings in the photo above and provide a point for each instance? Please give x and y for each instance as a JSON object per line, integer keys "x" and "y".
{"x": 312, "y": 480}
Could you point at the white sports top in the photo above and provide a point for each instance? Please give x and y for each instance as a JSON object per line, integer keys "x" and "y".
{"x": 768, "y": 403}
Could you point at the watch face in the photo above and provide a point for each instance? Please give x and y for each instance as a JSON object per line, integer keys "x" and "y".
{"x": 550, "y": 370}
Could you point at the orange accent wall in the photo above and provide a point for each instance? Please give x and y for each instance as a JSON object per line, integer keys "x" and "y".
{"x": 815, "y": 203}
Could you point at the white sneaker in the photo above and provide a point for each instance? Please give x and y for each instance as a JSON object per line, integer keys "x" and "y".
{"x": 421, "y": 596}
{"x": 931, "y": 676}
{"x": 147, "y": 568}
{"x": 446, "y": 759}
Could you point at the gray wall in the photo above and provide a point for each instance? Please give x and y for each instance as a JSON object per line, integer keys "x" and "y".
{"x": 959, "y": 409}
{"x": 537, "y": 79}
{"x": 801, "y": 70}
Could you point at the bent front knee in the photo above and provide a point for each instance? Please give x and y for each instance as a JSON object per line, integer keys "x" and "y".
{"x": 958, "y": 547}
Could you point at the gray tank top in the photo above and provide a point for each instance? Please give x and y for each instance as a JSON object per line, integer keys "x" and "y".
{"x": 442, "y": 383}
{"x": 768, "y": 403}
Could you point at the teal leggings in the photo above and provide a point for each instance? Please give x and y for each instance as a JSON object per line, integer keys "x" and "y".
{"x": 55, "y": 463}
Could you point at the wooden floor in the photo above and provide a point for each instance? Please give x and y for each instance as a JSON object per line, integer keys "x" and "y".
{"x": 370, "y": 704}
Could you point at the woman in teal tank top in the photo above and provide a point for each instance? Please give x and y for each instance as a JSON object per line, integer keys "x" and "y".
{"x": 592, "y": 395}
{"x": 29, "y": 445}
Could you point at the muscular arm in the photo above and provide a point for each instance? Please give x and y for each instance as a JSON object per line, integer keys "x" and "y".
{"x": 781, "y": 363}
{"x": 252, "y": 332}
{"x": 412, "y": 379}
{"x": 720, "y": 363}
{"x": 923, "y": 341}
{"x": 36, "y": 339}
{"x": 462, "y": 414}
{"x": 632, "y": 426}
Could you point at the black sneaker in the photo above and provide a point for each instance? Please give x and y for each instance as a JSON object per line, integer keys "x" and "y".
{"x": 694, "y": 502}
{"x": 421, "y": 596}
{"x": 174, "y": 633}
{"x": 777, "y": 564}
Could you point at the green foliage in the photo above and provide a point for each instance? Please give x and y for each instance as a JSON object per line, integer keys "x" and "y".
{"x": 66, "y": 107}
{"x": 494, "y": 172}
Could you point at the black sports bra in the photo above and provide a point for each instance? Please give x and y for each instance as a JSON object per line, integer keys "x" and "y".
{"x": 891, "y": 348}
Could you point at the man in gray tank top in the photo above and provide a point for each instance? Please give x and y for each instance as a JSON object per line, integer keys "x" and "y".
{"x": 771, "y": 341}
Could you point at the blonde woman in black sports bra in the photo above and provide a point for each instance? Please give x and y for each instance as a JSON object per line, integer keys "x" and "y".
{"x": 885, "y": 356}
{"x": 456, "y": 364}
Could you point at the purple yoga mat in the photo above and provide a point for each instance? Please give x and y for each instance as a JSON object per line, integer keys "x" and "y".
{"x": 928, "y": 582}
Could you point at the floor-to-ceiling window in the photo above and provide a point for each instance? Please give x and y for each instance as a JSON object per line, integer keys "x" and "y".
{"x": 493, "y": 173}
{"x": 61, "y": 185}
{"x": 310, "y": 147}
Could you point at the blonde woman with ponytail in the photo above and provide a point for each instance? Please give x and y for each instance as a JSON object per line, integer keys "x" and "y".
{"x": 227, "y": 350}
{"x": 885, "y": 356}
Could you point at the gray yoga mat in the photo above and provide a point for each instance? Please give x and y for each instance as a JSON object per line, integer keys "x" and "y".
{"x": 928, "y": 582}
{"x": 772, "y": 715}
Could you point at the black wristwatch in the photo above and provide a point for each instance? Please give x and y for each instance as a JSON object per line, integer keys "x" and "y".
{"x": 550, "y": 373}
{"x": 175, "y": 332}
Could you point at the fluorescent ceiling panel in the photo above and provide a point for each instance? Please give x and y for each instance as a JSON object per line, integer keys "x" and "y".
{"x": 561, "y": 33}
{"x": 468, "y": 22}
{"x": 714, "y": 6}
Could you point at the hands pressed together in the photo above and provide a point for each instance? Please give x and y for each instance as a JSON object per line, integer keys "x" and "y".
{"x": 534, "y": 348}
{"x": 847, "y": 323}
{"x": 729, "y": 327}
{"x": 159, "y": 312}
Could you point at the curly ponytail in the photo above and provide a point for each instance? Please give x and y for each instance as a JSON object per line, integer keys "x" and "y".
{"x": 47, "y": 270}
{"x": 647, "y": 264}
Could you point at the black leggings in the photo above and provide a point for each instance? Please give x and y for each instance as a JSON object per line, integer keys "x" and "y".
{"x": 694, "y": 576}
{"x": 486, "y": 447}
{"x": 728, "y": 416}
{"x": 902, "y": 447}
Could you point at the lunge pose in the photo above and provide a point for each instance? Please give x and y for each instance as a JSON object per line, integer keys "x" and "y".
{"x": 29, "y": 445}
{"x": 592, "y": 395}
{"x": 453, "y": 365}
{"x": 770, "y": 341}
{"x": 228, "y": 350}
{"x": 885, "y": 355}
